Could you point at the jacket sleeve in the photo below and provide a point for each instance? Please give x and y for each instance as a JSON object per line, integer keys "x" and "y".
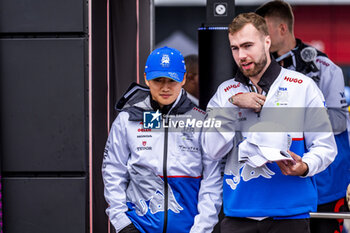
{"x": 217, "y": 142}
{"x": 332, "y": 87}
{"x": 318, "y": 134}
{"x": 209, "y": 197}
{"x": 114, "y": 173}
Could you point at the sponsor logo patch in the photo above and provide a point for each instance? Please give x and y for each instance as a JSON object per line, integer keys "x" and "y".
{"x": 165, "y": 62}
{"x": 199, "y": 110}
{"x": 322, "y": 62}
{"x": 144, "y": 136}
{"x": 188, "y": 148}
{"x": 232, "y": 86}
{"x": 293, "y": 80}
{"x": 143, "y": 147}
{"x": 281, "y": 96}
{"x": 241, "y": 117}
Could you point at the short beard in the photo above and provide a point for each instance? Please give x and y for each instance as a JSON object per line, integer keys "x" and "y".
{"x": 258, "y": 67}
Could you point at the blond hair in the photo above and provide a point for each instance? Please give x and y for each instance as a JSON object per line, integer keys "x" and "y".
{"x": 248, "y": 18}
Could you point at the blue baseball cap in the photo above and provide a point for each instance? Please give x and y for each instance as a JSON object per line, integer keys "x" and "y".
{"x": 165, "y": 62}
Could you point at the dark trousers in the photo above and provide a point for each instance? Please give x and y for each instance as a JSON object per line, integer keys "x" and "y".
{"x": 245, "y": 225}
{"x": 320, "y": 225}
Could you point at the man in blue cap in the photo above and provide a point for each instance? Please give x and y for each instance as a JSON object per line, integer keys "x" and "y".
{"x": 156, "y": 176}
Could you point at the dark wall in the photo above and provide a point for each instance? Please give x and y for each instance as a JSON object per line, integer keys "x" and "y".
{"x": 126, "y": 26}
{"x": 44, "y": 122}
{"x": 99, "y": 111}
{"x": 54, "y": 115}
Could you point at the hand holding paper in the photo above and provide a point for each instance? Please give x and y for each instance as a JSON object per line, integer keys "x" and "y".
{"x": 293, "y": 168}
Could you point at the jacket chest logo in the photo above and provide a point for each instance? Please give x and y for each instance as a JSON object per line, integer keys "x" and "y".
{"x": 232, "y": 86}
{"x": 293, "y": 80}
{"x": 281, "y": 96}
{"x": 241, "y": 116}
{"x": 143, "y": 147}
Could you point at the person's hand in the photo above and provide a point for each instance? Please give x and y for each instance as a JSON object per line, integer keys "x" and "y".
{"x": 293, "y": 168}
{"x": 130, "y": 229}
{"x": 248, "y": 100}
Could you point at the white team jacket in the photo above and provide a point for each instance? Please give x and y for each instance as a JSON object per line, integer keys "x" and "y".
{"x": 297, "y": 91}
{"x": 134, "y": 166}
{"x": 294, "y": 101}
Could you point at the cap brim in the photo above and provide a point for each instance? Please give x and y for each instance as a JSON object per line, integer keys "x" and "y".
{"x": 176, "y": 76}
{"x": 273, "y": 154}
{"x": 250, "y": 152}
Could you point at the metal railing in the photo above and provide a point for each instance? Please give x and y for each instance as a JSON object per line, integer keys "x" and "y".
{"x": 342, "y": 215}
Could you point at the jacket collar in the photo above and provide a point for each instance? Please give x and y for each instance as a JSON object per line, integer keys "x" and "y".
{"x": 288, "y": 61}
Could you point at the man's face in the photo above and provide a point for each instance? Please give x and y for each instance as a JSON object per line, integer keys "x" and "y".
{"x": 164, "y": 90}
{"x": 275, "y": 35}
{"x": 250, "y": 50}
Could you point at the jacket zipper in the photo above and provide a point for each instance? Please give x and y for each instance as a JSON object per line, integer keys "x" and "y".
{"x": 165, "y": 174}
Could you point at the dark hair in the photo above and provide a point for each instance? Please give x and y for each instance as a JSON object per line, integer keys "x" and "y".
{"x": 278, "y": 9}
{"x": 191, "y": 61}
{"x": 248, "y": 18}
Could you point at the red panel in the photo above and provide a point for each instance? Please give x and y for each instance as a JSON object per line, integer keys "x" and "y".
{"x": 327, "y": 28}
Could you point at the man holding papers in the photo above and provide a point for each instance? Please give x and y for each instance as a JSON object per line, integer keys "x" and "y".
{"x": 263, "y": 190}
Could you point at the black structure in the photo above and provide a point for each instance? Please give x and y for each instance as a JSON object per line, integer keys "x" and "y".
{"x": 219, "y": 12}
{"x": 99, "y": 112}
{"x": 216, "y": 63}
{"x": 125, "y": 24}
{"x": 44, "y": 124}
{"x": 54, "y": 106}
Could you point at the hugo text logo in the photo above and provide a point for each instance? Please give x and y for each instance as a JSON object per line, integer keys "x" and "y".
{"x": 231, "y": 86}
{"x": 293, "y": 80}
{"x": 322, "y": 62}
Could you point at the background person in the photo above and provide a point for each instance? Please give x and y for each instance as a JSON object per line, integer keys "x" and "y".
{"x": 192, "y": 81}
{"x": 159, "y": 180}
{"x": 279, "y": 196}
{"x": 293, "y": 54}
